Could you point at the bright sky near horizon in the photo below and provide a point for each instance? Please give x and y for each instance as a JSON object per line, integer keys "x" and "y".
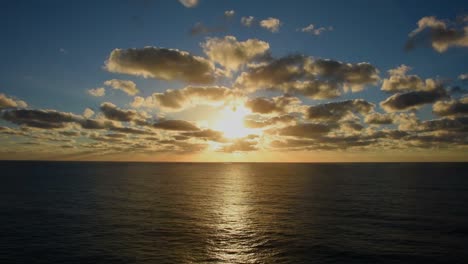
{"x": 208, "y": 80}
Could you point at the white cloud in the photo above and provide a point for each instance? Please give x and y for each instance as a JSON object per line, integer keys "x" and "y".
{"x": 314, "y": 30}
{"x": 247, "y": 21}
{"x": 189, "y": 3}
{"x": 272, "y": 24}
{"x": 98, "y": 92}
{"x": 229, "y": 13}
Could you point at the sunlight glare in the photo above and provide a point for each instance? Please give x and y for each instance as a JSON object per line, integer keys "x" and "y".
{"x": 231, "y": 122}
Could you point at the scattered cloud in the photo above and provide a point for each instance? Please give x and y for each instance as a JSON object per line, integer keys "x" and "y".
{"x": 247, "y": 21}
{"x": 8, "y": 102}
{"x": 336, "y": 111}
{"x": 112, "y": 112}
{"x": 231, "y": 53}
{"x": 451, "y": 108}
{"x": 440, "y": 34}
{"x": 279, "y": 104}
{"x": 412, "y": 100}
{"x": 317, "y": 79}
{"x": 189, "y": 3}
{"x": 229, "y": 13}
{"x": 312, "y": 29}
{"x": 272, "y": 121}
{"x": 305, "y": 130}
{"x": 88, "y": 113}
{"x": 177, "y": 100}
{"x": 240, "y": 145}
{"x": 379, "y": 119}
{"x": 98, "y": 92}
{"x": 271, "y": 24}
{"x": 463, "y": 77}
{"x": 161, "y": 63}
{"x": 128, "y": 87}
{"x": 176, "y": 125}
{"x": 399, "y": 81}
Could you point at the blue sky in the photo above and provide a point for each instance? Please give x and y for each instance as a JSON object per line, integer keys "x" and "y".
{"x": 54, "y": 51}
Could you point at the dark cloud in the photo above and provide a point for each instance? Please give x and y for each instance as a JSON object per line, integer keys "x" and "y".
{"x": 279, "y": 104}
{"x": 440, "y": 34}
{"x": 445, "y": 124}
{"x": 49, "y": 119}
{"x": 161, "y": 63}
{"x": 412, "y": 100}
{"x": 451, "y": 108}
{"x": 112, "y": 112}
{"x": 176, "y": 125}
{"x": 304, "y": 130}
{"x": 338, "y": 110}
{"x": 317, "y": 79}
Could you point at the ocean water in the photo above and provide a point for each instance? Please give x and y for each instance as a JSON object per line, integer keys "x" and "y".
{"x": 71, "y": 212}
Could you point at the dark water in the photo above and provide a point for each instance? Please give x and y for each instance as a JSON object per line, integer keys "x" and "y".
{"x": 233, "y": 213}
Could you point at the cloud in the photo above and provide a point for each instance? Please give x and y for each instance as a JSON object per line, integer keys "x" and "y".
{"x": 412, "y": 100}
{"x": 400, "y": 82}
{"x": 128, "y": 87}
{"x": 240, "y": 145}
{"x": 339, "y": 110}
{"x": 317, "y": 79}
{"x": 48, "y": 119}
{"x": 176, "y": 100}
{"x": 273, "y": 121}
{"x": 112, "y": 112}
{"x": 463, "y": 77}
{"x": 7, "y": 102}
{"x": 87, "y": 113}
{"x": 176, "y": 125}
{"x": 206, "y": 134}
{"x": 304, "y": 130}
{"x": 161, "y": 63}
{"x": 98, "y": 92}
{"x": 229, "y": 13}
{"x": 279, "y": 104}
{"x": 231, "y": 54}
{"x": 445, "y": 124}
{"x": 379, "y": 119}
{"x": 272, "y": 24}
{"x": 247, "y": 21}
{"x": 314, "y": 30}
{"x": 451, "y": 108}
{"x": 440, "y": 34}
{"x": 189, "y": 3}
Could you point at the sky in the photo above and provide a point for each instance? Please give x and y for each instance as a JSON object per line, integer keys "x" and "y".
{"x": 234, "y": 81}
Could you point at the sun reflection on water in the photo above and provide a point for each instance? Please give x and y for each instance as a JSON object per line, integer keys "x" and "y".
{"x": 236, "y": 234}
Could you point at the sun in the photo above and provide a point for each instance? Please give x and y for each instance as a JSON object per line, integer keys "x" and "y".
{"x": 231, "y": 122}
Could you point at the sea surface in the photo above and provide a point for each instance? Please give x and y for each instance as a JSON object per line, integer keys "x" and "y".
{"x": 89, "y": 212}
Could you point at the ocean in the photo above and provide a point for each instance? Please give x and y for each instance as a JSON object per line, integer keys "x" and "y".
{"x": 116, "y": 212}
